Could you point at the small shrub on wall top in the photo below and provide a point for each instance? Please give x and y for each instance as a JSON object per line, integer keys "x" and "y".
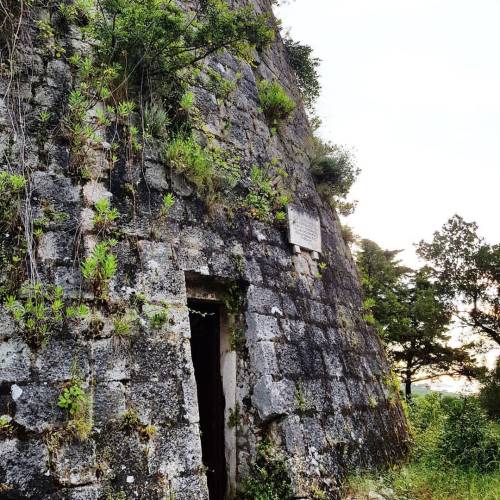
{"x": 305, "y": 66}
{"x": 276, "y": 104}
{"x": 334, "y": 170}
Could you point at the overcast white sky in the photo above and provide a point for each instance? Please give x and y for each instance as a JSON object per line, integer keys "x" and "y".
{"x": 414, "y": 86}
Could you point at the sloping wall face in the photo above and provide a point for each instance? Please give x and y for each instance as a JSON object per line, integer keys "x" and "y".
{"x": 311, "y": 378}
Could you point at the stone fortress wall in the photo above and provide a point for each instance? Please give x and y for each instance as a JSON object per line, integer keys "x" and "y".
{"x": 309, "y": 375}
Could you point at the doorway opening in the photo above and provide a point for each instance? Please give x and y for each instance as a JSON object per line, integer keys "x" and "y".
{"x": 205, "y": 322}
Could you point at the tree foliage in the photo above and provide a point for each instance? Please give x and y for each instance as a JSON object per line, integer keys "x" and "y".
{"x": 490, "y": 393}
{"x": 412, "y": 316}
{"x": 468, "y": 270}
{"x": 160, "y": 46}
{"x": 305, "y": 66}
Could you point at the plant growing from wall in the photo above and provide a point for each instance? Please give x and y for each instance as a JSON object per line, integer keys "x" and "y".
{"x": 391, "y": 382}
{"x": 322, "y": 267}
{"x": 11, "y": 190}
{"x": 237, "y": 340}
{"x": 268, "y": 477}
{"x": 105, "y": 217}
{"x": 72, "y": 12}
{"x": 6, "y": 428}
{"x": 123, "y": 323}
{"x": 157, "y": 315}
{"x": 215, "y": 83}
{"x": 275, "y": 103}
{"x": 234, "y": 419}
{"x": 186, "y": 155}
{"x": 12, "y": 242}
{"x": 161, "y": 40}
{"x": 168, "y": 201}
{"x": 155, "y": 120}
{"x": 131, "y": 422}
{"x": 80, "y": 126}
{"x": 208, "y": 169}
{"x": 39, "y": 310}
{"x": 302, "y": 404}
{"x": 305, "y": 67}
{"x": 267, "y": 197}
{"x": 76, "y": 403}
{"x": 334, "y": 170}
{"x": 100, "y": 267}
{"x": 317, "y": 493}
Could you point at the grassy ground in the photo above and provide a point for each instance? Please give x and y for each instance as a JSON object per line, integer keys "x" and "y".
{"x": 456, "y": 456}
{"x": 415, "y": 482}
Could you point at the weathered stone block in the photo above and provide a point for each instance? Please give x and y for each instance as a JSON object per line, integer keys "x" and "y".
{"x": 156, "y": 401}
{"x": 82, "y": 493}
{"x": 62, "y": 358}
{"x": 111, "y": 360}
{"x": 175, "y": 451}
{"x": 14, "y": 361}
{"x": 192, "y": 487}
{"x": 109, "y": 402}
{"x": 289, "y": 360}
{"x": 190, "y": 399}
{"x": 70, "y": 279}
{"x": 338, "y": 394}
{"x": 155, "y": 176}
{"x": 294, "y": 436}
{"x": 160, "y": 280}
{"x": 263, "y": 358}
{"x": 48, "y": 249}
{"x": 22, "y": 463}
{"x": 36, "y": 407}
{"x": 261, "y": 327}
{"x": 58, "y": 73}
{"x": 75, "y": 463}
{"x": 178, "y": 321}
{"x": 94, "y": 191}
{"x": 159, "y": 359}
{"x": 273, "y": 399}
{"x": 57, "y": 188}
{"x": 262, "y": 300}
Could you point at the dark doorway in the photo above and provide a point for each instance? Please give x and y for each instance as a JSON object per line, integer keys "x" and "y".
{"x": 204, "y": 318}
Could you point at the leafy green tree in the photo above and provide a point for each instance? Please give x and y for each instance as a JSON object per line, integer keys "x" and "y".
{"x": 411, "y": 315}
{"x": 305, "y": 66}
{"x": 154, "y": 39}
{"x": 468, "y": 271}
{"x": 490, "y": 393}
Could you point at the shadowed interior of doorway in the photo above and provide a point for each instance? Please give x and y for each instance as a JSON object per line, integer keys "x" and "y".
{"x": 205, "y": 320}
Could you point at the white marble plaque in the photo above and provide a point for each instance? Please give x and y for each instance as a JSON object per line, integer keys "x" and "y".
{"x": 304, "y": 230}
